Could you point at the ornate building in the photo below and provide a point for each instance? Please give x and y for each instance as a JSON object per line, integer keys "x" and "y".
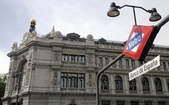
{"x": 61, "y": 70}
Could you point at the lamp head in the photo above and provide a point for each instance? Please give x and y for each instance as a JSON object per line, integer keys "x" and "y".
{"x": 113, "y": 11}
{"x": 154, "y": 15}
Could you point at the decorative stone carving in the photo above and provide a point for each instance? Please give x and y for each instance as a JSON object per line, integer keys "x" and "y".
{"x": 55, "y": 78}
{"x": 90, "y": 58}
{"x": 90, "y": 79}
{"x": 29, "y": 62}
{"x": 56, "y": 56}
{"x": 89, "y": 37}
{"x": 53, "y": 33}
{"x": 34, "y": 34}
{"x": 15, "y": 46}
{"x": 9, "y": 76}
{"x": 59, "y": 34}
{"x": 28, "y": 37}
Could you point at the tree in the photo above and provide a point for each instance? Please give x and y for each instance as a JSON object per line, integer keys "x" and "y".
{"x": 3, "y": 78}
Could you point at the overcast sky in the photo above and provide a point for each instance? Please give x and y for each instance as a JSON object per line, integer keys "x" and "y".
{"x": 80, "y": 16}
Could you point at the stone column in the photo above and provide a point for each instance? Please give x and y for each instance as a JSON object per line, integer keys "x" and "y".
{"x": 152, "y": 87}
{"x": 58, "y": 80}
{"x": 113, "y": 102}
{"x": 112, "y": 84}
{"x": 155, "y": 102}
{"x": 127, "y": 102}
{"x": 139, "y": 85}
{"x": 164, "y": 84}
{"x": 126, "y": 84}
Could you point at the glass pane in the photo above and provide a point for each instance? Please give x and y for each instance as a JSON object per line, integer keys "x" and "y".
{"x": 22, "y": 75}
{"x": 127, "y": 63}
{"x": 64, "y": 57}
{"x": 100, "y": 60}
{"x": 161, "y": 103}
{"x": 148, "y": 103}
{"x": 133, "y": 63}
{"x": 81, "y": 80}
{"x": 105, "y": 102}
{"x": 120, "y": 103}
{"x": 106, "y": 61}
{"x": 134, "y": 103}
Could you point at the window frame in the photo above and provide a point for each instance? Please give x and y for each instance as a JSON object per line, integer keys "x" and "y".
{"x": 104, "y": 82}
{"x": 158, "y": 83}
{"x": 132, "y": 85}
{"x": 118, "y": 83}
{"x": 72, "y": 80}
{"x": 145, "y": 84}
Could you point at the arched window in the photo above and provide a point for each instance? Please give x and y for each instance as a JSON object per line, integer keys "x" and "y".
{"x": 132, "y": 85}
{"x": 118, "y": 83}
{"x": 21, "y": 75}
{"x": 158, "y": 84}
{"x": 104, "y": 82}
{"x": 145, "y": 84}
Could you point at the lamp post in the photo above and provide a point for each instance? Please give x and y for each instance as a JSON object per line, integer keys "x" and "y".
{"x": 113, "y": 12}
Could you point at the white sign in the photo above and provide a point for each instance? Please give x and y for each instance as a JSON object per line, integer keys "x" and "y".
{"x": 145, "y": 68}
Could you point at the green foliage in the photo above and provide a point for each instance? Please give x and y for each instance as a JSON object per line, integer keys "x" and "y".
{"x": 3, "y": 78}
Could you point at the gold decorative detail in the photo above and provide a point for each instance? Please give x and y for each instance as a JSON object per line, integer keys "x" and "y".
{"x": 33, "y": 21}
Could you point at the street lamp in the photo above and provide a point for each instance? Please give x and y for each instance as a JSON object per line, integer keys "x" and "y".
{"x": 114, "y": 12}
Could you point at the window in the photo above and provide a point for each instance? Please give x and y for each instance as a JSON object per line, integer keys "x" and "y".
{"x": 120, "y": 103}
{"x": 81, "y": 58}
{"x": 73, "y": 39}
{"x": 148, "y": 103}
{"x": 64, "y": 80}
{"x": 134, "y": 103}
{"x": 100, "y": 61}
{"x": 120, "y": 62}
{"x": 106, "y": 61}
{"x": 145, "y": 84}
{"x": 127, "y": 63}
{"x": 104, "y": 82}
{"x": 158, "y": 84}
{"x": 164, "y": 66}
{"x": 73, "y": 58}
{"x": 72, "y": 102}
{"x": 64, "y": 57}
{"x": 21, "y": 75}
{"x": 81, "y": 80}
{"x": 72, "y": 80}
{"x": 161, "y": 103}
{"x": 118, "y": 83}
{"x": 105, "y": 102}
{"x": 132, "y": 85}
{"x": 132, "y": 63}
{"x": 114, "y": 65}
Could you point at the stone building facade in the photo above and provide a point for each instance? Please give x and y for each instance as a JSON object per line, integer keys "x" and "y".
{"x": 61, "y": 70}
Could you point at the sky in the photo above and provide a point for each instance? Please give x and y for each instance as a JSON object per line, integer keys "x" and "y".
{"x": 80, "y": 16}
